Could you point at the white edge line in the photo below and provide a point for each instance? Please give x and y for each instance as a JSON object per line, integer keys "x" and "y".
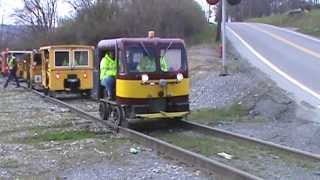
{"x": 272, "y": 66}
{"x": 292, "y": 32}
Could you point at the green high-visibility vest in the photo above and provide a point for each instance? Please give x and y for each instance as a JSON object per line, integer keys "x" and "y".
{"x": 147, "y": 65}
{"x": 108, "y": 67}
{"x": 12, "y": 63}
{"x": 163, "y": 64}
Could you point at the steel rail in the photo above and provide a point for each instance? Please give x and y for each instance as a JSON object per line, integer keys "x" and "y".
{"x": 221, "y": 171}
{"x": 230, "y": 135}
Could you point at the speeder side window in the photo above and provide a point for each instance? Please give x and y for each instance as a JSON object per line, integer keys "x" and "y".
{"x": 81, "y": 58}
{"x": 61, "y": 58}
{"x": 171, "y": 60}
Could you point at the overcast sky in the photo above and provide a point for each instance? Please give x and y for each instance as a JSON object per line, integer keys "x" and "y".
{"x": 7, "y": 7}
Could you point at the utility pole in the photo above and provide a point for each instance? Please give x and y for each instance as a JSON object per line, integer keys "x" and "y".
{"x": 223, "y": 35}
{"x": 2, "y": 28}
{"x": 223, "y": 29}
{"x": 209, "y": 12}
{"x": 2, "y": 39}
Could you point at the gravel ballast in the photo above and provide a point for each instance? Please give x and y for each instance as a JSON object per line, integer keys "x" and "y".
{"x": 26, "y": 151}
{"x": 274, "y": 114}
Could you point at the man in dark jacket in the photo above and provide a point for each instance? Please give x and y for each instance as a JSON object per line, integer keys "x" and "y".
{"x": 12, "y": 63}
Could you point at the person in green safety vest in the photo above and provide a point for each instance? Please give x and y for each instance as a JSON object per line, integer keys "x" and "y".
{"x": 108, "y": 72}
{"x": 65, "y": 62}
{"x": 147, "y": 64}
{"x": 12, "y": 63}
{"x": 164, "y": 64}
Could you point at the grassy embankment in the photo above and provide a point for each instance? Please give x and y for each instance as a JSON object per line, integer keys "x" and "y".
{"x": 308, "y": 23}
{"x": 206, "y": 37}
{"x": 235, "y": 112}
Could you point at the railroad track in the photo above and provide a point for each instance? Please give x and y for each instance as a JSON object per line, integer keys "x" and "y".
{"x": 229, "y": 135}
{"x": 263, "y": 159}
{"x": 221, "y": 170}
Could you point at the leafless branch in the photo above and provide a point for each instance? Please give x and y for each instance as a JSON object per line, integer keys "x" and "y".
{"x": 40, "y": 15}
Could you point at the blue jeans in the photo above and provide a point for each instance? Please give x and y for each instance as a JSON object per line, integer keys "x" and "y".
{"x": 110, "y": 84}
{"x": 12, "y": 75}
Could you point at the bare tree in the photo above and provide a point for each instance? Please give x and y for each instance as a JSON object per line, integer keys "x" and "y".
{"x": 133, "y": 18}
{"x": 258, "y": 8}
{"x": 39, "y": 15}
{"x": 81, "y": 4}
{"x": 99, "y": 19}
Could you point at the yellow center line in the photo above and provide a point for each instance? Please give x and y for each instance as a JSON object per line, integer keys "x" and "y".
{"x": 301, "y": 48}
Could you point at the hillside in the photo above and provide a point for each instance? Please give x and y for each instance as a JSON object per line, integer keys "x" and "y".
{"x": 308, "y": 23}
{"x": 11, "y": 34}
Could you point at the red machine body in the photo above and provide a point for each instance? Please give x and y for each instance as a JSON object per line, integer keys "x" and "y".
{"x": 4, "y": 63}
{"x": 212, "y": 2}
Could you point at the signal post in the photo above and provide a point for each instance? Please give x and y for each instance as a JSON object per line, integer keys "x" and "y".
{"x": 223, "y": 29}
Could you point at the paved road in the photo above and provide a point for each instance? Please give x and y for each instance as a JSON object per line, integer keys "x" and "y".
{"x": 291, "y": 59}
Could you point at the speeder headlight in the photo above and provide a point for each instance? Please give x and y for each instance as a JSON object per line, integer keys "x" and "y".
{"x": 144, "y": 78}
{"x": 179, "y": 77}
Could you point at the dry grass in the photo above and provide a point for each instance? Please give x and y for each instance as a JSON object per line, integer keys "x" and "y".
{"x": 308, "y": 23}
